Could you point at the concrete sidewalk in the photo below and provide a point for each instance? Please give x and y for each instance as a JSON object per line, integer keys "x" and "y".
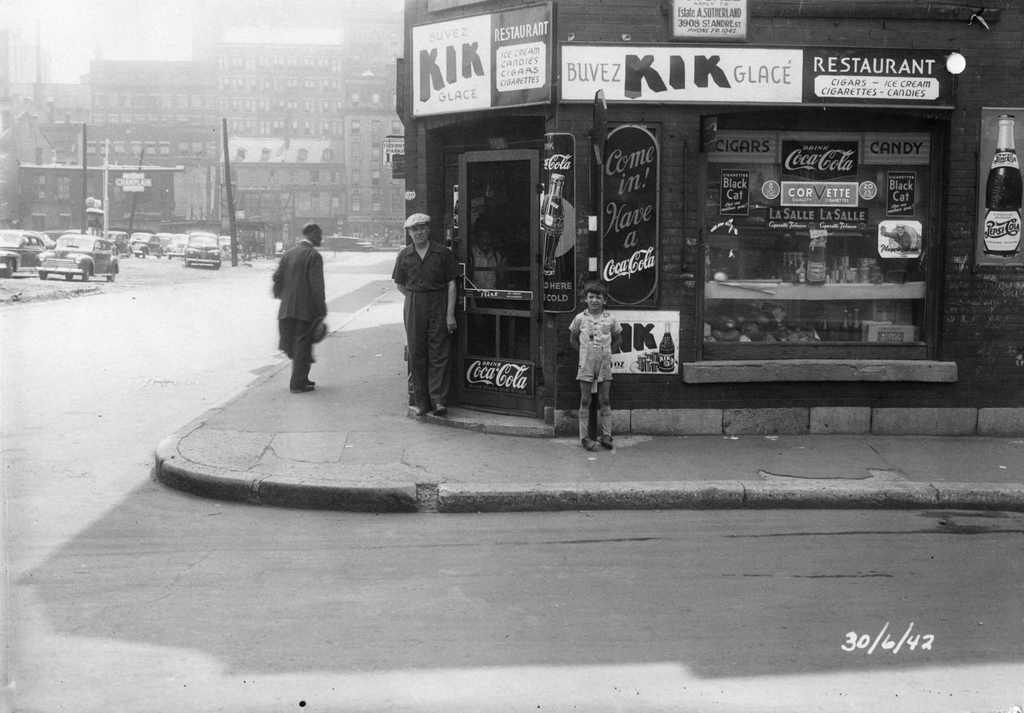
{"x": 351, "y": 445}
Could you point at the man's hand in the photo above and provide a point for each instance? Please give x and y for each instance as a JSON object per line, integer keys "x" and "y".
{"x": 452, "y": 324}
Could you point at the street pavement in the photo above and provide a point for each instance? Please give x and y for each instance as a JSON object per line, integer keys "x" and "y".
{"x": 353, "y": 445}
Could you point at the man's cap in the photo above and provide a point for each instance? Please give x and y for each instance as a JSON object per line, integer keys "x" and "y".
{"x": 417, "y": 219}
{"x": 310, "y": 228}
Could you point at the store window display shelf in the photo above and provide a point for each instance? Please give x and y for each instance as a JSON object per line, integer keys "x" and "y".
{"x": 771, "y": 289}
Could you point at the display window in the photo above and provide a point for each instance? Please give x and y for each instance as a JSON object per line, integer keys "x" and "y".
{"x": 816, "y": 242}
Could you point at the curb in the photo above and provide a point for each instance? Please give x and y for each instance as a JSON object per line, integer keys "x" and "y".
{"x": 175, "y": 471}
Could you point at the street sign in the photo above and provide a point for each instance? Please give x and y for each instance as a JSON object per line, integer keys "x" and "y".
{"x": 134, "y": 182}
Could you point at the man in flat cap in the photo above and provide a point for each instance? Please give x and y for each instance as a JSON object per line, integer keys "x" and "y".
{"x": 425, "y": 273}
{"x": 299, "y": 284}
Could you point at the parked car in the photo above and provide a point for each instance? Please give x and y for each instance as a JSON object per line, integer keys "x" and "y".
{"x": 19, "y": 251}
{"x": 176, "y": 245}
{"x": 145, "y": 244}
{"x": 120, "y": 240}
{"x": 84, "y": 255}
{"x": 202, "y": 249}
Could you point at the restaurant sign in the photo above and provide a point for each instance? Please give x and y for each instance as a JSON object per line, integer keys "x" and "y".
{"x": 482, "y": 62}
{"x": 755, "y": 75}
{"x": 629, "y": 215}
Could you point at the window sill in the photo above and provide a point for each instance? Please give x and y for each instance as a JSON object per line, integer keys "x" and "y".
{"x": 720, "y": 372}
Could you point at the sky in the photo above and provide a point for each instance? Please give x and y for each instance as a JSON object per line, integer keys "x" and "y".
{"x": 72, "y": 30}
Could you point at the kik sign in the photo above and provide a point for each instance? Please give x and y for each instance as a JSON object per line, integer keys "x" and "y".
{"x": 754, "y": 75}
{"x": 482, "y": 62}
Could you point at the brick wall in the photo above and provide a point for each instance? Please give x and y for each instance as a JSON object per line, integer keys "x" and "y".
{"x": 981, "y": 310}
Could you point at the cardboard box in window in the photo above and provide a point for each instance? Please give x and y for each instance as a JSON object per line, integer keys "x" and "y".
{"x": 889, "y": 333}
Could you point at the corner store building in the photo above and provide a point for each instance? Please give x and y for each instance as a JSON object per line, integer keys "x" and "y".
{"x": 826, "y": 167}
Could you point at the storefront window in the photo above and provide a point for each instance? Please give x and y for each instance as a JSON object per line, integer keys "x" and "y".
{"x": 815, "y": 243}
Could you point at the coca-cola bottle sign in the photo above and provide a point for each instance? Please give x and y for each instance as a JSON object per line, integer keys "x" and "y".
{"x": 558, "y": 222}
{"x": 629, "y": 215}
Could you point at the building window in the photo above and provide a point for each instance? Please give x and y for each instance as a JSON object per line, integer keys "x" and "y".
{"x": 808, "y": 257}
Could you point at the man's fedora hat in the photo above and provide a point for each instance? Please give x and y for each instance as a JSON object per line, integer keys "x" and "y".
{"x": 319, "y": 330}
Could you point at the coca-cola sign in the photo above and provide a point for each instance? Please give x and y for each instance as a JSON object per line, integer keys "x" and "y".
{"x": 499, "y": 376}
{"x": 629, "y": 215}
{"x": 558, "y": 222}
{"x": 819, "y": 161}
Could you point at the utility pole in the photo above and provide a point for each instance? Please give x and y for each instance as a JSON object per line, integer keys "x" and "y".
{"x": 106, "y": 188}
{"x": 231, "y": 200}
{"x": 85, "y": 182}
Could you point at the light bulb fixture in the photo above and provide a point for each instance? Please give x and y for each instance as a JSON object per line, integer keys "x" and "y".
{"x": 956, "y": 63}
{"x": 626, "y": 37}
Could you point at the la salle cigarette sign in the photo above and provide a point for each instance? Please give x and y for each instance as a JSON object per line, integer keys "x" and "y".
{"x": 483, "y": 62}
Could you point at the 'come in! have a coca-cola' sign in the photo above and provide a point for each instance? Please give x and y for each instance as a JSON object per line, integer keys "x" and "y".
{"x": 629, "y": 215}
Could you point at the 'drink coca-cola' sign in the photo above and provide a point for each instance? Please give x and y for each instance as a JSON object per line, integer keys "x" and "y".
{"x": 629, "y": 215}
{"x": 504, "y": 376}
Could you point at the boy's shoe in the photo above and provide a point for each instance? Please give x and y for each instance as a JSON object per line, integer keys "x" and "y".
{"x": 606, "y": 441}
{"x": 589, "y": 444}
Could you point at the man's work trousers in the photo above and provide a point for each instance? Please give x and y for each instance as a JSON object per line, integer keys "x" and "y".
{"x": 426, "y": 332}
{"x": 297, "y": 342}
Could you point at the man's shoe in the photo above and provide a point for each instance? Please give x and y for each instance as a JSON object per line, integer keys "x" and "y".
{"x": 589, "y": 444}
{"x": 440, "y": 410}
{"x": 310, "y": 383}
{"x": 417, "y": 411}
{"x": 606, "y": 442}
{"x": 303, "y": 389}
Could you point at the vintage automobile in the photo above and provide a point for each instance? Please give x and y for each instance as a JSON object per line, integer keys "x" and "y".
{"x": 202, "y": 249}
{"x": 144, "y": 244}
{"x": 175, "y": 245}
{"x": 19, "y": 251}
{"x": 78, "y": 254}
{"x": 120, "y": 240}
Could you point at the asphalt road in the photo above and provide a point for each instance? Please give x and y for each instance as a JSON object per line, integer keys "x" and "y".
{"x": 123, "y": 595}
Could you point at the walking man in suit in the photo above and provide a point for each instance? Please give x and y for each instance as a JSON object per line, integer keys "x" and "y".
{"x": 299, "y": 284}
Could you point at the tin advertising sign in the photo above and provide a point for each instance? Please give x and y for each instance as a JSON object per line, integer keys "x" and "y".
{"x": 649, "y": 343}
{"x": 629, "y": 215}
{"x": 1001, "y": 193}
{"x": 482, "y": 62}
{"x": 558, "y": 222}
{"x": 505, "y": 376}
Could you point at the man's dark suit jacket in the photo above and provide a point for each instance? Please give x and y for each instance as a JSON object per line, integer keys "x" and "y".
{"x": 299, "y": 284}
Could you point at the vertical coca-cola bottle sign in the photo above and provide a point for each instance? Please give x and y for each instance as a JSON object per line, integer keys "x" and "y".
{"x": 1003, "y": 194}
{"x": 629, "y": 215}
{"x": 558, "y": 223}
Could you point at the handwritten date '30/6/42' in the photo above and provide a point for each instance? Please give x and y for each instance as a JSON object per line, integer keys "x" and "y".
{"x": 887, "y": 641}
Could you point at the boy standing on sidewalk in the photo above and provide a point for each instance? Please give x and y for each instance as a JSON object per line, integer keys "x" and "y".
{"x": 595, "y": 333}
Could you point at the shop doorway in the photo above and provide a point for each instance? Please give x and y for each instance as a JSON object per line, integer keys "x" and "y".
{"x": 498, "y": 254}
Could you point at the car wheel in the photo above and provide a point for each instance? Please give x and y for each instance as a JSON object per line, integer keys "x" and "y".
{"x": 110, "y": 277}
{"x": 85, "y": 276}
{"x": 68, "y": 277}
{"x": 5, "y": 270}
{"x": 43, "y": 275}
{"x": 217, "y": 266}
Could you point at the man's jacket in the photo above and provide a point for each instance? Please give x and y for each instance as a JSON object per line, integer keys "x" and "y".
{"x": 299, "y": 284}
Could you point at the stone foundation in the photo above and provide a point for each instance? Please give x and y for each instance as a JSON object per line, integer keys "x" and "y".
{"x": 963, "y": 421}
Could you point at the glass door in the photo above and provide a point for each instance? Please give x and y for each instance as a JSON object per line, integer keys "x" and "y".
{"x": 498, "y": 252}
